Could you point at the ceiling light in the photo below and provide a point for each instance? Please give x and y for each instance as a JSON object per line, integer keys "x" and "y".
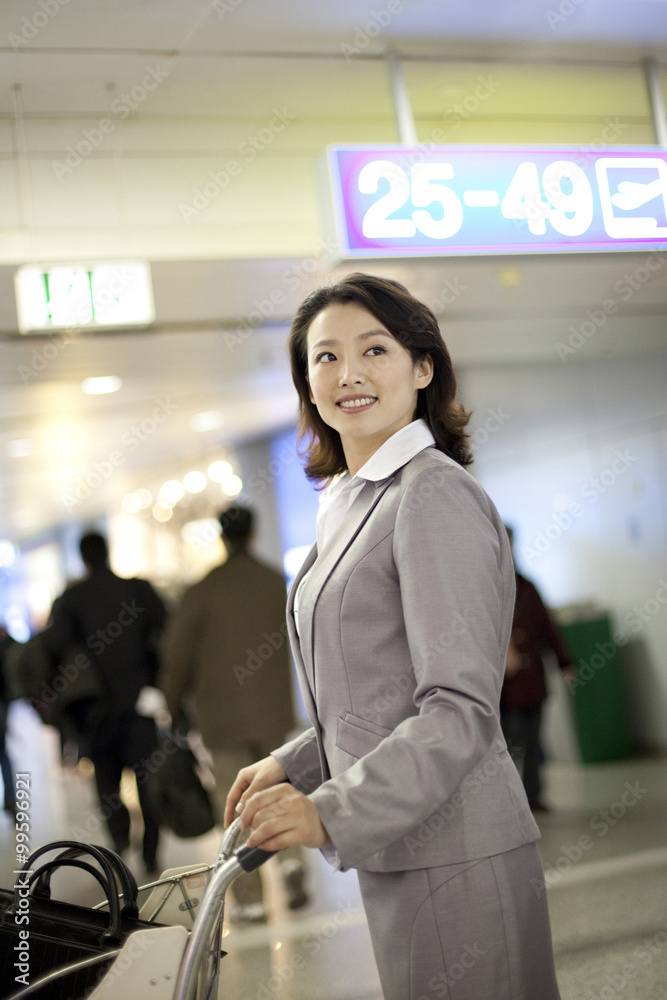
{"x": 162, "y": 511}
{"x": 101, "y": 385}
{"x": 201, "y": 534}
{"x": 208, "y": 421}
{"x": 219, "y": 471}
{"x": 172, "y": 491}
{"x": 232, "y": 486}
{"x": 19, "y": 448}
{"x": 195, "y": 482}
{"x": 509, "y": 277}
{"x": 7, "y": 553}
{"x": 145, "y": 498}
{"x": 131, "y": 503}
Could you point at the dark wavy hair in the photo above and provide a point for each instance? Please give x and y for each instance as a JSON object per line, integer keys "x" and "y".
{"x": 415, "y": 327}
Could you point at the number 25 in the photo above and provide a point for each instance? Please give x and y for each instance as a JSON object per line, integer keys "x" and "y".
{"x": 427, "y": 187}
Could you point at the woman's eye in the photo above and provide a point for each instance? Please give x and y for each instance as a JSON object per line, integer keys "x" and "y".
{"x": 376, "y": 351}
{"x": 324, "y": 356}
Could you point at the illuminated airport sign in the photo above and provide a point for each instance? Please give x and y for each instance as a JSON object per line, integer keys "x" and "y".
{"x": 63, "y": 296}
{"x": 441, "y": 200}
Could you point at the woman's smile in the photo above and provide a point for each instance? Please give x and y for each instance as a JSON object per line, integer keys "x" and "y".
{"x": 355, "y": 404}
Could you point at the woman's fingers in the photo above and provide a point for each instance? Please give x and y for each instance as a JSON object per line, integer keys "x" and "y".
{"x": 254, "y": 801}
{"x": 281, "y": 816}
{"x": 263, "y": 774}
{"x": 276, "y": 813}
{"x": 234, "y": 796}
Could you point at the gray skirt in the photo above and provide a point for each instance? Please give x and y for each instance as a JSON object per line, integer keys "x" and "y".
{"x": 473, "y": 931}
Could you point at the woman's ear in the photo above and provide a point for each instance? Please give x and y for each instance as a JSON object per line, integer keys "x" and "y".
{"x": 424, "y": 372}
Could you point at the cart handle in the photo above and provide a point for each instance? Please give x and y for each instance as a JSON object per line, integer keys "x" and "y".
{"x": 244, "y": 859}
{"x": 251, "y": 858}
{"x": 229, "y": 841}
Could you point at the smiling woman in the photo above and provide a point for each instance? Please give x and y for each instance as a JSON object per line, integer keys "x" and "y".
{"x": 399, "y": 621}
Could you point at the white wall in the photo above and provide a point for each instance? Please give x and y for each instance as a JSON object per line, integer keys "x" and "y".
{"x": 574, "y": 456}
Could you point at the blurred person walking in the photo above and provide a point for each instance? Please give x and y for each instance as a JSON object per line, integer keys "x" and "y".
{"x": 227, "y": 649}
{"x": 524, "y": 688}
{"x": 119, "y": 623}
{"x": 6, "y": 768}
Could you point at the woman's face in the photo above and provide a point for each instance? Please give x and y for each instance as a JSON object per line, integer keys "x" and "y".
{"x": 363, "y": 382}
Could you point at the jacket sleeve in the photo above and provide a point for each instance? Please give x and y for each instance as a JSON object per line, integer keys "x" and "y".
{"x": 457, "y": 588}
{"x": 180, "y": 652}
{"x": 544, "y": 628}
{"x": 300, "y": 759}
{"x": 156, "y": 613}
{"x": 64, "y": 628}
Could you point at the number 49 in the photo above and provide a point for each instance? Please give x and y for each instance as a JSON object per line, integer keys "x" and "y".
{"x": 523, "y": 199}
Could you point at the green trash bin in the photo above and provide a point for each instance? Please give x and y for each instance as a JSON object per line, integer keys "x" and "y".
{"x": 597, "y": 693}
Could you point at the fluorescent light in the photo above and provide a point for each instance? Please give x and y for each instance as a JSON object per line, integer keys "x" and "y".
{"x": 101, "y": 385}
{"x": 145, "y": 498}
{"x": 131, "y": 503}
{"x": 201, "y": 534}
{"x": 219, "y": 471}
{"x": 19, "y": 448}
{"x": 7, "y": 553}
{"x": 195, "y": 482}
{"x": 232, "y": 486}
{"x": 162, "y": 511}
{"x": 210, "y": 420}
{"x": 171, "y": 492}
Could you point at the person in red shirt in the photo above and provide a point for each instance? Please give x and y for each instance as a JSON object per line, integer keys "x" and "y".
{"x": 524, "y": 688}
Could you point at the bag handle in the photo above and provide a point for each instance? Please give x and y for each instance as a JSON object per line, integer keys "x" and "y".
{"x": 124, "y": 877}
{"x": 114, "y": 932}
{"x": 41, "y": 878}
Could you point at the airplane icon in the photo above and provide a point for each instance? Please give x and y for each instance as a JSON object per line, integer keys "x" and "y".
{"x": 629, "y": 195}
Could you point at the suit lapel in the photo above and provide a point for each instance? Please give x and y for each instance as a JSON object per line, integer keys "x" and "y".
{"x": 322, "y": 568}
{"x": 296, "y": 642}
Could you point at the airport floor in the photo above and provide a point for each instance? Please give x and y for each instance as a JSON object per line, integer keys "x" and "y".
{"x": 604, "y": 847}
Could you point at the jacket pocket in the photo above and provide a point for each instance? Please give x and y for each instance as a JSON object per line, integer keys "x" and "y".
{"x": 358, "y": 737}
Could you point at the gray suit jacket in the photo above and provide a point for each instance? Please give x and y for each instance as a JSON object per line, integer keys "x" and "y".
{"x": 404, "y": 623}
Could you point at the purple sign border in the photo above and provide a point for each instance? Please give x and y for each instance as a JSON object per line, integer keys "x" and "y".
{"x": 344, "y": 163}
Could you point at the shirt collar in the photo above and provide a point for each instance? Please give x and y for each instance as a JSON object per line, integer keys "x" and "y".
{"x": 390, "y": 456}
{"x": 396, "y": 451}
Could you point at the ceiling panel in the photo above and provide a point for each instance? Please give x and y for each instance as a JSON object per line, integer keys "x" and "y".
{"x": 204, "y": 79}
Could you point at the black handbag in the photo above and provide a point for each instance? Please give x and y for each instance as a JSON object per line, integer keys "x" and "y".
{"x": 39, "y": 935}
{"x": 178, "y": 799}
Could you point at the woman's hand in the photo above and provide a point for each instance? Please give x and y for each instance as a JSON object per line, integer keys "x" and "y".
{"x": 281, "y": 816}
{"x": 263, "y": 774}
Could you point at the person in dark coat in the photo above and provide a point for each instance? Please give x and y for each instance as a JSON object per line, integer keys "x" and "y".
{"x": 6, "y": 768}
{"x": 524, "y": 688}
{"x": 119, "y": 623}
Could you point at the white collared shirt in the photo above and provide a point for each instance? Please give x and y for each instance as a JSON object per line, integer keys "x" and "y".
{"x": 339, "y": 496}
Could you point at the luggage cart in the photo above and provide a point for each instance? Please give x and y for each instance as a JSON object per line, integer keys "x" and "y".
{"x": 167, "y": 961}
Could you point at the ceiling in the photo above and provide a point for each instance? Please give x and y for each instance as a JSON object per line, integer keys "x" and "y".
{"x": 114, "y": 116}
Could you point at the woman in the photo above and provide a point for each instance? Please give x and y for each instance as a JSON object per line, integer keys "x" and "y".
{"x": 399, "y": 623}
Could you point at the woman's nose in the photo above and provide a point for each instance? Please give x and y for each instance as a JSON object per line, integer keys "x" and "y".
{"x": 351, "y": 373}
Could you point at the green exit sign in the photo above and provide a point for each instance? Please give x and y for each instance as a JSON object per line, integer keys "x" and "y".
{"x": 64, "y": 296}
